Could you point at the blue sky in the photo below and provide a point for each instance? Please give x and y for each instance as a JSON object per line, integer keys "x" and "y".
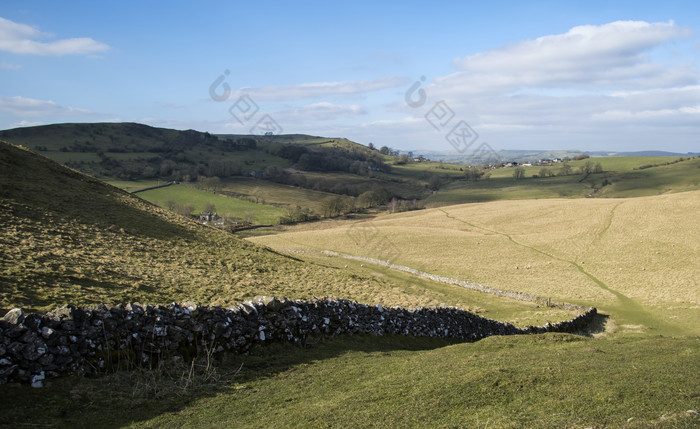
{"x": 588, "y": 75}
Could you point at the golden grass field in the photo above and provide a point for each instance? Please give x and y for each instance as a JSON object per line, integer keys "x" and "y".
{"x": 636, "y": 258}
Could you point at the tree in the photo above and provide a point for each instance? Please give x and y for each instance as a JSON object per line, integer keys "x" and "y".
{"x": 544, "y": 172}
{"x": 403, "y": 159}
{"x": 565, "y": 169}
{"x": 209, "y": 208}
{"x": 385, "y": 150}
{"x": 434, "y": 182}
{"x": 598, "y": 168}
{"x": 586, "y": 170}
{"x": 473, "y": 173}
{"x": 184, "y": 209}
{"x": 371, "y": 146}
{"x": 335, "y": 206}
{"x": 372, "y": 198}
{"x": 518, "y": 173}
{"x": 170, "y": 204}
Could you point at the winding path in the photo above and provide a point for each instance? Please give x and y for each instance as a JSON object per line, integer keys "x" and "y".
{"x": 631, "y": 309}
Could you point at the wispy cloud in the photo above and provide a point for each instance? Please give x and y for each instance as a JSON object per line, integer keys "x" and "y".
{"x": 323, "y": 111}
{"x": 593, "y": 84}
{"x": 609, "y": 55}
{"x": 23, "y": 107}
{"x": 8, "y": 66}
{"x": 322, "y": 89}
{"x": 23, "y": 39}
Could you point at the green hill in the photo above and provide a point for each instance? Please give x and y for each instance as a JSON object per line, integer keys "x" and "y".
{"x": 68, "y": 238}
{"x": 281, "y": 172}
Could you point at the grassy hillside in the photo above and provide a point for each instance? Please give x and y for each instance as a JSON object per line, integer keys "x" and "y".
{"x": 68, "y": 238}
{"x": 635, "y": 258}
{"x": 621, "y": 177}
{"x": 65, "y": 237}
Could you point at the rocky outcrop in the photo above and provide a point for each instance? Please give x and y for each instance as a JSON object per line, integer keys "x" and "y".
{"x": 92, "y": 339}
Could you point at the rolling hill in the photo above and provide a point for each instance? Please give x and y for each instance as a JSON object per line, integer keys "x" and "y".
{"x": 66, "y": 237}
{"x": 69, "y": 238}
{"x": 324, "y": 176}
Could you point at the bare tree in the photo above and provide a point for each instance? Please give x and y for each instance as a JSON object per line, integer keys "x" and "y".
{"x": 249, "y": 216}
{"x": 518, "y": 173}
{"x": 565, "y": 169}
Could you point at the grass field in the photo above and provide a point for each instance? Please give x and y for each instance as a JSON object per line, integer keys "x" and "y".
{"x": 543, "y": 381}
{"x": 623, "y": 174}
{"x": 68, "y": 238}
{"x": 133, "y": 185}
{"x": 276, "y": 193}
{"x": 182, "y": 194}
{"x": 635, "y": 256}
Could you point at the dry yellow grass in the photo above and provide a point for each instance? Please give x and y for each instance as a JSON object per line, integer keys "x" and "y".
{"x": 637, "y": 256}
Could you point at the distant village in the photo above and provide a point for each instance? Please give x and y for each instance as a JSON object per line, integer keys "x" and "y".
{"x": 540, "y": 162}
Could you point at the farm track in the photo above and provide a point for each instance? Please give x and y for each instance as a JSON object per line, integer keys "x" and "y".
{"x": 632, "y": 310}
{"x": 608, "y": 222}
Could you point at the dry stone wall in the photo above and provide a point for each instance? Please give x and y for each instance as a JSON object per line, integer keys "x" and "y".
{"x": 91, "y": 339}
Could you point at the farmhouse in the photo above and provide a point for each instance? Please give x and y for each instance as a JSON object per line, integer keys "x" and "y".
{"x": 213, "y": 219}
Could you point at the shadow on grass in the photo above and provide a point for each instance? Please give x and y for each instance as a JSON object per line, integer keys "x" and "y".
{"x": 102, "y": 401}
{"x": 597, "y": 326}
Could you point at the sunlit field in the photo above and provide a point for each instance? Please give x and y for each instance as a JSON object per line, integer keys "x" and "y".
{"x": 638, "y": 256}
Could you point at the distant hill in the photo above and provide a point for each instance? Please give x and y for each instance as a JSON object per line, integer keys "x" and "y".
{"x": 137, "y": 152}
{"x": 131, "y": 151}
{"x": 534, "y": 155}
{"x": 644, "y": 153}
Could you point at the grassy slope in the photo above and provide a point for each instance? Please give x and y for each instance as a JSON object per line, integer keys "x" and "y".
{"x": 407, "y": 181}
{"x": 626, "y": 182}
{"x": 539, "y": 381}
{"x": 543, "y": 381}
{"x": 616, "y": 254}
{"x": 68, "y": 238}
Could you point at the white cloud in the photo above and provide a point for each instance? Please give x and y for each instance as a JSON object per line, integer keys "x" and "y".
{"x": 23, "y": 107}
{"x": 597, "y": 85}
{"x": 323, "y": 111}
{"x": 607, "y": 55}
{"x": 321, "y": 89}
{"x": 24, "y": 39}
{"x": 24, "y": 123}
